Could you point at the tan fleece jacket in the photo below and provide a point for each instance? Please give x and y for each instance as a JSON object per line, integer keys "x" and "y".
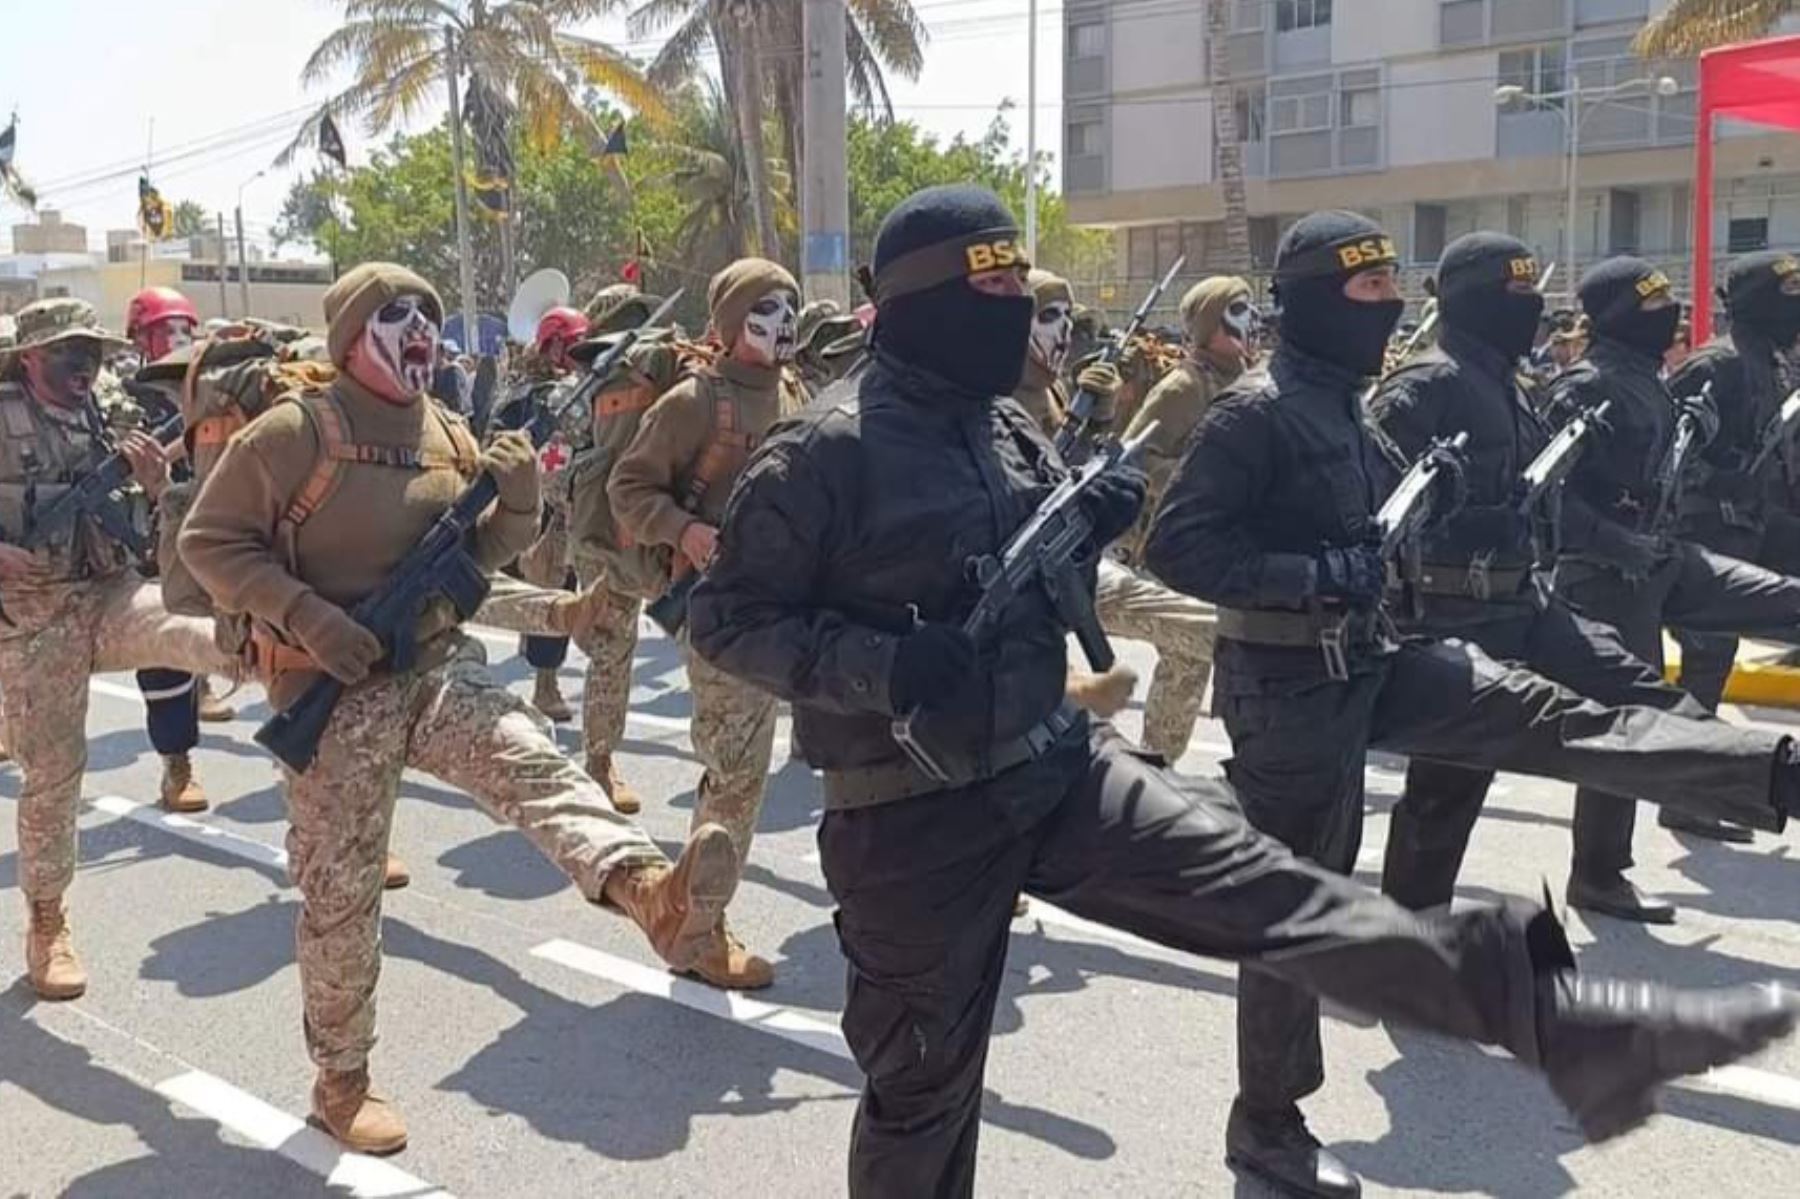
{"x": 351, "y": 545}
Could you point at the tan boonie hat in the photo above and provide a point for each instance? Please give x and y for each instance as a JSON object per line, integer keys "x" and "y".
{"x": 736, "y": 288}
{"x": 45, "y": 322}
{"x": 1047, "y": 288}
{"x": 361, "y": 293}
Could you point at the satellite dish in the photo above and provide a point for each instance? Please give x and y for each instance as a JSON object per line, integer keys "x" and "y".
{"x": 547, "y": 289}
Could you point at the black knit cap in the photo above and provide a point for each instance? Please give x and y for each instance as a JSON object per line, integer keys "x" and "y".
{"x": 937, "y": 215}
{"x": 1615, "y": 287}
{"x": 1483, "y": 261}
{"x": 1332, "y": 243}
{"x": 1754, "y": 281}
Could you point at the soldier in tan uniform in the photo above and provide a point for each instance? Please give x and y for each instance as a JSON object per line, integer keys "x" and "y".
{"x": 669, "y": 490}
{"x": 306, "y": 514}
{"x": 74, "y": 608}
{"x": 1129, "y": 604}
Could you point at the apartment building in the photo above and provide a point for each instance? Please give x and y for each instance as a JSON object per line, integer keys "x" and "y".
{"x": 1389, "y": 107}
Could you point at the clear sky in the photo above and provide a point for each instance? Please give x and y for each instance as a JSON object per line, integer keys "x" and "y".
{"x": 221, "y": 81}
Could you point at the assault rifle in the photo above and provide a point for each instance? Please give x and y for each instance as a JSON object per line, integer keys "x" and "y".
{"x": 1081, "y": 408}
{"x": 93, "y": 495}
{"x": 1776, "y": 433}
{"x": 1556, "y": 461}
{"x": 1042, "y": 553}
{"x": 1673, "y": 466}
{"x": 669, "y": 610}
{"x": 1404, "y": 516}
{"x": 437, "y": 565}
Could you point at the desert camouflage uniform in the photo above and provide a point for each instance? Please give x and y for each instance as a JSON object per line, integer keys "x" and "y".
{"x": 610, "y": 643}
{"x": 456, "y": 723}
{"x": 1181, "y": 629}
{"x": 733, "y": 728}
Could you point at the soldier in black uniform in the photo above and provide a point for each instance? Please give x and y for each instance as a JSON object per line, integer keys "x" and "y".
{"x": 1477, "y": 577}
{"x": 1271, "y": 517}
{"x": 838, "y": 585}
{"x": 1733, "y": 503}
{"x": 1620, "y": 560}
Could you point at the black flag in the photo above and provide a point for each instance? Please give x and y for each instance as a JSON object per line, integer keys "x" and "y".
{"x": 331, "y": 142}
{"x": 615, "y": 141}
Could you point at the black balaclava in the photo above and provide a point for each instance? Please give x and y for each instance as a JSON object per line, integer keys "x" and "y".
{"x": 1612, "y": 294}
{"x": 1762, "y": 292}
{"x": 1475, "y": 297}
{"x": 1315, "y": 259}
{"x": 927, "y": 314}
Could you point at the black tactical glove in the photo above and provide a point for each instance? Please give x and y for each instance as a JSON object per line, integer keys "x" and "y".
{"x": 1450, "y": 488}
{"x": 1635, "y": 554}
{"x": 1705, "y": 415}
{"x": 931, "y": 664}
{"x": 1114, "y": 501}
{"x": 1355, "y": 574}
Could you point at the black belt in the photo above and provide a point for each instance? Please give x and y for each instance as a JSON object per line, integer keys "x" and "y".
{"x": 870, "y": 786}
{"x": 1330, "y": 631}
{"x": 1476, "y": 580}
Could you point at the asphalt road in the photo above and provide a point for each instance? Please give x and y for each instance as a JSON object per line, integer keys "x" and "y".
{"x": 537, "y": 1049}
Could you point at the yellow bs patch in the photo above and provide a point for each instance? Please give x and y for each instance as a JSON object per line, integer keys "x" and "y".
{"x": 994, "y": 256}
{"x": 1652, "y": 284}
{"x": 1367, "y": 252}
{"x": 1522, "y": 268}
{"x": 1787, "y": 270}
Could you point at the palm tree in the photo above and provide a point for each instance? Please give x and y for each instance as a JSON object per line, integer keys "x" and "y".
{"x": 711, "y": 172}
{"x": 1228, "y": 151}
{"x": 759, "y": 42}
{"x": 1687, "y": 27}
{"x": 522, "y": 63}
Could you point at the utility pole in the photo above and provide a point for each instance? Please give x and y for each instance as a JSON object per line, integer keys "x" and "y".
{"x": 825, "y": 197}
{"x": 243, "y": 267}
{"x": 224, "y": 296}
{"x": 465, "y": 259}
{"x": 1031, "y": 145}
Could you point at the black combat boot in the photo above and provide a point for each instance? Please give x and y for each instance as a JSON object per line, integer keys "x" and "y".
{"x": 1279, "y": 1150}
{"x": 1616, "y": 897}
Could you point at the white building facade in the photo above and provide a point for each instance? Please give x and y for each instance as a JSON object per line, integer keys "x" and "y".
{"x": 1388, "y": 107}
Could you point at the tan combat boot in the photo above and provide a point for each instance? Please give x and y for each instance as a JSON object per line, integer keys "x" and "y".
{"x": 548, "y": 698}
{"x": 213, "y": 708}
{"x": 180, "y": 793}
{"x": 395, "y": 875}
{"x": 679, "y": 909}
{"x": 1103, "y": 695}
{"x": 624, "y": 797}
{"x": 361, "y": 1122}
{"x": 50, "y": 960}
{"x": 727, "y": 965}
{"x": 5, "y": 753}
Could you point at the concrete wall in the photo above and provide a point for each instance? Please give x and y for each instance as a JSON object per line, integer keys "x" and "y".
{"x": 1366, "y": 30}
{"x": 110, "y": 286}
{"x": 1154, "y": 48}
{"x": 1166, "y": 144}
{"x": 1435, "y": 115}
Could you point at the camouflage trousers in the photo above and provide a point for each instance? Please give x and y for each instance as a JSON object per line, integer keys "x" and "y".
{"x": 454, "y": 722}
{"x": 610, "y": 644}
{"x": 733, "y": 730}
{"x": 60, "y": 634}
{"x": 520, "y": 607}
{"x": 1181, "y": 629}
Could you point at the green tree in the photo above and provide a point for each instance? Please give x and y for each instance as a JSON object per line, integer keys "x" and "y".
{"x": 1687, "y": 27}
{"x": 190, "y": 220}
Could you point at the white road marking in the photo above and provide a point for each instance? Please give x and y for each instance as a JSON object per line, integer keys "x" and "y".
{"x": 1747, "y": 1082}
{"x": 725, "y": 1005}
{"x": 188, "y": 829}
{"x": 274, "y": 1130}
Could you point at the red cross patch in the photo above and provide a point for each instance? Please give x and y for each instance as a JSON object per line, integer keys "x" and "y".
{"x": 553, "y": 457}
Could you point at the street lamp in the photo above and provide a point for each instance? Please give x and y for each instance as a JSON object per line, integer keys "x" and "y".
{"x": 243, "y": 257}
{"x": 1573, "y": 114}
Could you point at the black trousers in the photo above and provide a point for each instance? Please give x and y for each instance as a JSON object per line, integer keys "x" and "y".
{"x": 1298, "y": 749}
{"x": 1430, "y": 828}
{"x": 925, "y": 891}
{"x": 171, "y": 710}
{"x": 1707, "y": 658}
{"x": 548, "y": 653}
{"x": 1694, "y": 590}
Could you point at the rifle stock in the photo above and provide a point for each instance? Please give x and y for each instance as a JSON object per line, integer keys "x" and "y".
{"x": 1081, "y": 408}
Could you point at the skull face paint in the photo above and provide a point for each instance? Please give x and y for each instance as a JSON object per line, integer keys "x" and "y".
{"x": 1051, "y": 332}
{"x": 1242, "y": 322}
{"x": 400, "y": 347}
{"x": 771, "y": 330}
{"x": 63, "y": 372}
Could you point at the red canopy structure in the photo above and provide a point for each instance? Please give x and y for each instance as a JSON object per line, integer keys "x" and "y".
{"x": 1759, "y": 82}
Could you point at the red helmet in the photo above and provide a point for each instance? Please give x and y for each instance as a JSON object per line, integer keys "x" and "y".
{"x": 560, "y": 324}
{"x": 155, "y": 304}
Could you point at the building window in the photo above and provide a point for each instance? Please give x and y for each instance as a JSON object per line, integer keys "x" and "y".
{"x": 1087, "y": 40}
{"x": 1252, "y": 115}
{"x": 1247, "y": 15}
{"x": 1746, "y": 235}
{"x": 1301, "y": 14}
{"x": 1087, "y": 137}
{"x": 1539, "y": 70}
{"x": 1304, "y": 108}
{"x": 1431, "y": 225}
{"x": 1359, "y": 107}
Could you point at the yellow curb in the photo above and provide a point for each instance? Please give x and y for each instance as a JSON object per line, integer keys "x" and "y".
{"x": 1765, "y": 680}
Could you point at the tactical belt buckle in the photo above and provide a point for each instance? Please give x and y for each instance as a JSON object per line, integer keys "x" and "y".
{"x": 1331, "y": 644}
{"x": 1481, "y": 584}
{"x": 1728, "y": 512}
{"x": 916, "y": 752}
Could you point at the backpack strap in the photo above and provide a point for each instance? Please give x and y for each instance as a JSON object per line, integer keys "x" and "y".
{"x": 327, "y": 416}
{"x": 729, "y": 445}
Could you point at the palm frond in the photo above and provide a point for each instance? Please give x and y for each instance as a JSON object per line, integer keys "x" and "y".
{"x": 680, "y": 55}
{"x": 1687, "y": 27}
{"x": 405, "y": 93}
{"x": 607, "y": 68}
{"x": 360, "y": 44}
{"x": 654, "y": 16}
{"x": 894, "y": 32}
{"x": 433, "y": 13}
{"x": 868, "y": 87}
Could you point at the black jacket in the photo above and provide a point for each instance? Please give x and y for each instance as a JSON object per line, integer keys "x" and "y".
{"x": 1465, "y": 385}
{"x": 865, "y": 506}
{"x": 1613, "y": 489}
{"x": 1747, "y": 392}
{"x": 1281, "y": 467}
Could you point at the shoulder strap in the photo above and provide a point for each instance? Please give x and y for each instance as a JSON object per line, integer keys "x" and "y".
{"x": 728, "y": 444}
{"x": 328, "y": 468}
